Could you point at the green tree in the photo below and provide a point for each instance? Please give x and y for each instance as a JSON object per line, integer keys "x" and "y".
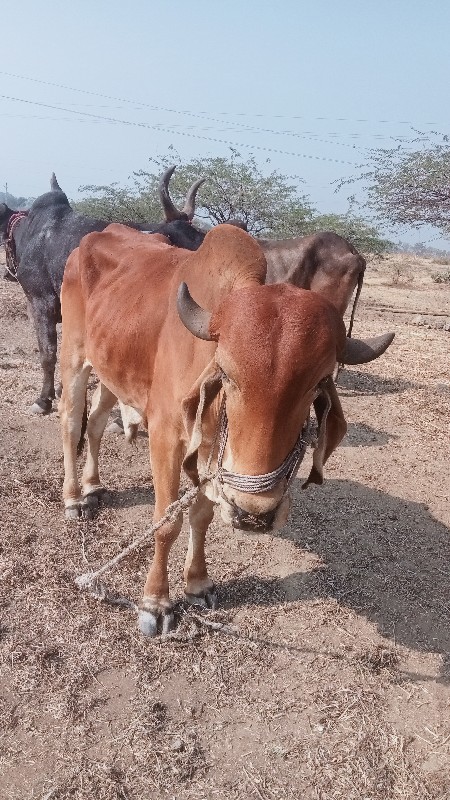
{"x": 236, "y": 188}
{"x": 15, "y": 202}
{"x": 120, "y": 204}
{"x": 365, "y": 237}
{"x": 411, "y": 187}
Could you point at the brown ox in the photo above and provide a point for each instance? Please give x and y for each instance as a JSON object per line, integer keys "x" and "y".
{"x": 265, "y": 349}
{"x": 323, "y": 262}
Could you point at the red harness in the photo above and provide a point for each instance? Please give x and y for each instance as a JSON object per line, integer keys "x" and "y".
{"x": 10, "y": 245}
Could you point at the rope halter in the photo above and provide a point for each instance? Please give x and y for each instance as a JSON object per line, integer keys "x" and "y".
{"x": 256, "y": 484}
{"x": 10, "y": 245}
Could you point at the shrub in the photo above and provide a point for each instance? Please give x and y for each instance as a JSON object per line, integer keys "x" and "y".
{"x": 441, "y": 277}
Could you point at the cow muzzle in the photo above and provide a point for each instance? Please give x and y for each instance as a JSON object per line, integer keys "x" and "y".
{"x": 252, "y": 519}
{"x": 254, "y": 523}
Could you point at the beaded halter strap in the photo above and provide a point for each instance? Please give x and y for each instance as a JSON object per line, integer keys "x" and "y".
{"x": 10, "y": 245}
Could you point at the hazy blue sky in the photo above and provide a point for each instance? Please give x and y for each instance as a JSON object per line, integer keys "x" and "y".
{"x": 320, "y": 81}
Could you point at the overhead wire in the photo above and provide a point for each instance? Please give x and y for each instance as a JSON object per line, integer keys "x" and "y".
{"x": 221, "y": 113}
{"x": 241, "y": 129}
{"x": 166, "y": 129}
{"x": 307, "y": 136}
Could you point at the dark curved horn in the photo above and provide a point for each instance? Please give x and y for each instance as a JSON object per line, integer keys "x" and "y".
{"x": 170, "y": 210}
{"x": 54, "y": 185}
{"x": 189, "y": 205}
{"x": 361, "y": 351}
{"x": 193, "y": 316}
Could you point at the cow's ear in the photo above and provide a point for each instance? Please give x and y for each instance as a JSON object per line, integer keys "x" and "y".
{"x": 202, "y": 394}
{"x": 332, "y": 429}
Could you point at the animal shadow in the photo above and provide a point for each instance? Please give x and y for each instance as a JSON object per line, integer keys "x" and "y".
{"x": 130, "y": 497}
{"x": 356, "y": 383}
{"x": 362, "y": 435}
{"x": 386, "y": 558}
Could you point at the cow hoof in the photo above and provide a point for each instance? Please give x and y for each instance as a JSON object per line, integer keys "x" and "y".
{"x": 72, "y": 512}
{"x": 88, "y": 512}
{"x": 41, "y": 407}
{"x": 151, "y": 623}
{"x": 89, "y": 505}
{"x": 205, "y": 600}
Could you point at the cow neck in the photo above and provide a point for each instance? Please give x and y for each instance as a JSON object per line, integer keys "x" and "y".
{"x": 10, "y": 244}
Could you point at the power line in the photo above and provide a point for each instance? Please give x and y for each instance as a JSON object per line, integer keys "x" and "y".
{"x": 54, "y": 119}
{"x": 197, "y": 116}
{"x": 309, "y": 136}
{"x": 199, "y": 113}
{"x": 178, "y": 133}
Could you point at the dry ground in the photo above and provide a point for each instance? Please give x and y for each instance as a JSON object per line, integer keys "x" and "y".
{"x": 337, "y": 685}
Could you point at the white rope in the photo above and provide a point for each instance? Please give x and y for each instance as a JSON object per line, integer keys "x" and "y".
{"x": 257, "y": 484}
{"x": 89, "y": 581}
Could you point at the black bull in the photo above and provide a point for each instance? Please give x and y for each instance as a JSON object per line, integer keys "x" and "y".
{"x": 42, "y": 242}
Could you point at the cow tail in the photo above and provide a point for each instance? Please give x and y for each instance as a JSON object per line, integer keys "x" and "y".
{"x": 355, "y": 301}
{"x": 84, "y": 421}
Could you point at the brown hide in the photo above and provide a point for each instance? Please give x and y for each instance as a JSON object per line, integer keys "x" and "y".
{"x": 194, "y": 408}
{"x": 269, "y": 389}
{"x": 332, "y": 429}
{"x": 274, "y": 342}
{"x": 323, "y": 262}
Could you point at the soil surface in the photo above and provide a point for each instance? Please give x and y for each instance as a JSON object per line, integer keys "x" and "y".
{"x": 333, "y": 682}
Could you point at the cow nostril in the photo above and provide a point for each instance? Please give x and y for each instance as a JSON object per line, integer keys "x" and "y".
{"x": 245, "y": 520}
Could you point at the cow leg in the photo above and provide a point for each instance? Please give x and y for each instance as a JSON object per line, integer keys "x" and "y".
{"x": 199, "y": 586}
{"x": 72, "y": 407}
{"x": 45, "y": 313}
{"x": 102, "y": 403}
{"x": 155, "y": 609}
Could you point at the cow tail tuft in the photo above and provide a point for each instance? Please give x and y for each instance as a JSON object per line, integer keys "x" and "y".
{"x": 355, "y": 301}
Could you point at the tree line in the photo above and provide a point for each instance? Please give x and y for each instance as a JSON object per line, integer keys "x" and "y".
{"x": 15, "y": 202}
{"x": 235, "y": 188}
{"x": 408, "y": 185}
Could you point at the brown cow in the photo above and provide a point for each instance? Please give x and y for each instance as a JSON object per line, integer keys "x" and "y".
{"x": 266, "y": 350}
{"x": 323, "y": 262}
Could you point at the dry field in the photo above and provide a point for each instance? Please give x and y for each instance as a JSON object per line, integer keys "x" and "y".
{"x": 335, "y": 684}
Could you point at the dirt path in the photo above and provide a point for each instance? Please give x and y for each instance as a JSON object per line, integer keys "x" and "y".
{"x": 338, "y": 685}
